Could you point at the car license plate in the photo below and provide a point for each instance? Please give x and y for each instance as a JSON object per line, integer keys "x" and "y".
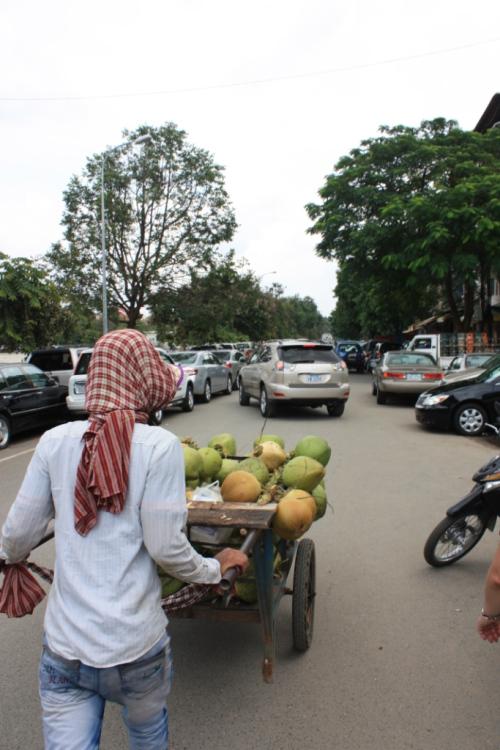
{"x": 414, "y": 376}
{"x": 313, "y": 378}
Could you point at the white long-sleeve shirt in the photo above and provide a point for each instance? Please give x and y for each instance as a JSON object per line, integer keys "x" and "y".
{"x": 104, "y": 604}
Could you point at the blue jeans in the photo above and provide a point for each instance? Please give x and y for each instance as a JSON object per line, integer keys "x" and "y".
{"x": 73, "y": 697}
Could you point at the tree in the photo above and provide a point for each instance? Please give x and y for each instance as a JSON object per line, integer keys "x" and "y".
{"x": 166, "y": 212}
{"x": 30, "y": 309}
{"x": 414, "y": 215}
{"x": 226, "y": 303}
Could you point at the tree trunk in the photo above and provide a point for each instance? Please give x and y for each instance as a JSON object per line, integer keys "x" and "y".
{"x": 450, "y": 298}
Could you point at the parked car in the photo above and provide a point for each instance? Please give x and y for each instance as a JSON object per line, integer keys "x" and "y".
{"x": 469, "y": 365}
{"x": 233, "y": 360}
{"x": 351, "y": 352}
{"x": 298, "y": 373}
{"x": 29, "y": 398}
{"x": 404, "y": 373}
{"x": 378, "y": 351}
{"x": 75, "y": 399}
{"x": 209, "y": 374}
{"x": 464, "y": 405}
{"x": 57, "y": 361}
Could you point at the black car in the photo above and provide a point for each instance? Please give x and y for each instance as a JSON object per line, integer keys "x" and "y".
{"x": 28, "y": 398}
{"x": 464, "y": 405}
{"x": 351, "y": 352}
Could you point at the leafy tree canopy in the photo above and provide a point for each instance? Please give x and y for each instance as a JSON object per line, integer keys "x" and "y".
{"x": 228, "y": 304}
{"x": 412, "y": 216}
{"x": 166, "y": 212}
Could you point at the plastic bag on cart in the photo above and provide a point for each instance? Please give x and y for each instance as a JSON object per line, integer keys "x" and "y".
{"x": 209, "y": 534}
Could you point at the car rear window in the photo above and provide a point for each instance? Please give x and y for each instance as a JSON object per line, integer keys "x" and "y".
{"x": 83, "y": 364}
{"x": 188, "y": 358}
{"x": 314, "y": 353}
{"x": 477, "y": 360}
{"x": 410, "y": 359}
{"x": 223, "y": 356}
{"x": 52, "y": 360}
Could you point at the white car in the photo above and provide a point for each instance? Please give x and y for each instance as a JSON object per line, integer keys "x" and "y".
{"x": 75, "y": 400}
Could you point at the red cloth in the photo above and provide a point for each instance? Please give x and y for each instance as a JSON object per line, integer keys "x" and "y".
{"x": 127, "y": 380}
{"x": 20, "y": 592}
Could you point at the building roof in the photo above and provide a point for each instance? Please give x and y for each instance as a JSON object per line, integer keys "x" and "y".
{"x": 490, "y": 116}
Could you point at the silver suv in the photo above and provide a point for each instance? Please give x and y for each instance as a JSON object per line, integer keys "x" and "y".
{"x": 296, "y": 372}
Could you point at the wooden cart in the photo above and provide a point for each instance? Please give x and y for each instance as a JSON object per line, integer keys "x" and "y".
{"x": 261, "y": 544}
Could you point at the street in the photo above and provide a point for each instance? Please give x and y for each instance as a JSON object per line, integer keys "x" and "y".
{"x": 395, "y": 662}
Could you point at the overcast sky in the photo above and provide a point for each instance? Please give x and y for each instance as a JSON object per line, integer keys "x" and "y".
{"x": 277, "y": 91}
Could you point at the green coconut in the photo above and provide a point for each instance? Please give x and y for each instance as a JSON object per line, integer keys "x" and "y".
{"x": 228, "y": 465}
{"x": 319, "y": 495}
{"x": 256, "y": 467}
{"x": 246, "y": 587}
{"x": 271, "y": 439}
{"x": 303, "y": 473}
{"x": 225, "y": 442}
{"x": 192, "y": 484}
{"x": 169, "y": 585}
{"x": 314, "y": 447}
{"x": 193, "y": 462}
{"x": 212, "y": 462}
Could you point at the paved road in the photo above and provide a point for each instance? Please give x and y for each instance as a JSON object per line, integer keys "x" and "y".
{"x": 395, "y": 663}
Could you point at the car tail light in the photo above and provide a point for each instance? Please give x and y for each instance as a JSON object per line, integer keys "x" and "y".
{"x": 190, "y": 371}
{"x": 280, "y": 365}
{"x": 394, "y": 375}
{"x": 228, "y": 365}
{"x": 433, "y": 375}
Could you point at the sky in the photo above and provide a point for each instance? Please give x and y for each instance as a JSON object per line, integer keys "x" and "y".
{"x": 276, "y": 91}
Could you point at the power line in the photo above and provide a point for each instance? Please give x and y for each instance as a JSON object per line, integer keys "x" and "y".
{"x": 254, "y": 82}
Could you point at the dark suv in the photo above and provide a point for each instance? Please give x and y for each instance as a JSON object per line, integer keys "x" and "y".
{"x": 57, "y": 361}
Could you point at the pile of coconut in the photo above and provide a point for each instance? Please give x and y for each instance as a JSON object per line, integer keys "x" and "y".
{"x": 294, "y": 480}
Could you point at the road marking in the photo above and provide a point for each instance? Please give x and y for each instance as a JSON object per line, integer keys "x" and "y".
{"x": 16, "y": 455}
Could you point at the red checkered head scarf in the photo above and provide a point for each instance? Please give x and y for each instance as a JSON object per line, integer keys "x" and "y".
{"x": 126, "y": 381}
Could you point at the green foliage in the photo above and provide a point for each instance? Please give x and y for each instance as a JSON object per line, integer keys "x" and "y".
{"x": 166, "y": 212}
{"x": 412, "y": 218}
{"x": 228, "y": 304}
{"x": 30, "y": 311}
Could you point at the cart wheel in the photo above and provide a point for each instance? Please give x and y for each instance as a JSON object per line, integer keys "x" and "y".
{"x": 304, "y": 591}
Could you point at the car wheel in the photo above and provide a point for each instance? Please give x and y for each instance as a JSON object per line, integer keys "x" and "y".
{"x": 381, "y": 397}
{"x": 244, "y": 397}
{"x": 267, "y": 407}
{"x": 336, "y": 409}
{"x": 188, "y": 401}
{"x": 5, "y": 431}
{"x": 374, "y": 389}
{"x": 229, "y": 386}
{"x": 207, "y": 392}
{"x": 236, "y": 384}
{"x": 469, "y": 419}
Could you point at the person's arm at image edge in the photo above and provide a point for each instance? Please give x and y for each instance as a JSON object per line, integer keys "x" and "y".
{"x": 487, "y": 625}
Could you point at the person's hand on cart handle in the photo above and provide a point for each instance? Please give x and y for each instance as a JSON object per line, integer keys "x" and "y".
{"x": 231, "y": 558}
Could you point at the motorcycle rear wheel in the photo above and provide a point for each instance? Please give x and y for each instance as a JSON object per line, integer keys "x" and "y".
{"x": 453, "y": 538}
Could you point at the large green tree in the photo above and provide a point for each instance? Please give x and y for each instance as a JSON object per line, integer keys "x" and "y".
{"x": 413, "y": 219}
{"x": 225, "y": 303}
{"x": 166, "y": 211}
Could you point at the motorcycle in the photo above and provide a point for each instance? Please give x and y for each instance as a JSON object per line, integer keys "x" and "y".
{"x": 467, "y": 520}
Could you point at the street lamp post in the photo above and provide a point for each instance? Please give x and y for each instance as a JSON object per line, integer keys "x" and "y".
{"x": 104, "y": 261}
